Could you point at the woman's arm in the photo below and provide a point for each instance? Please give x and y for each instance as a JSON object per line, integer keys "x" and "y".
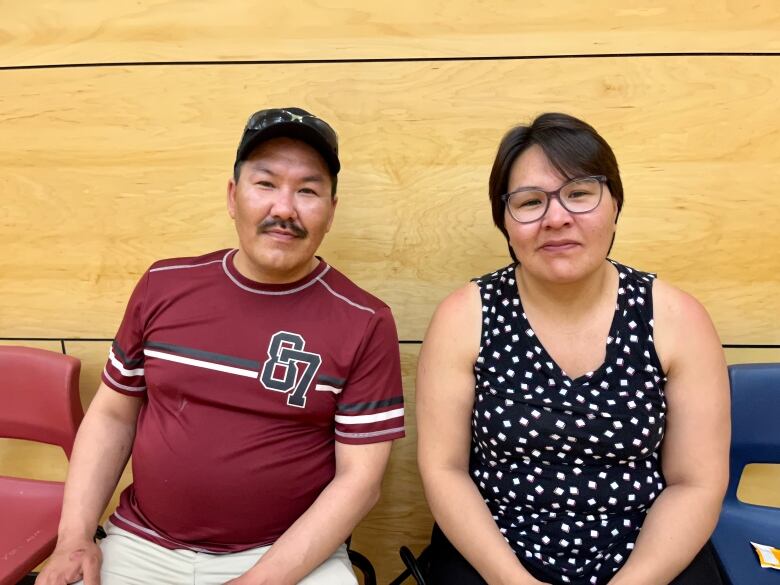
{"x": 445, "y": 398}
{"x": 694, "y": 453}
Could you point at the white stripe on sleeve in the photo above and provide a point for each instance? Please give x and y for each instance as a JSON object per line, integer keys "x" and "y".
{"x": 120, "y": 366}
{"x": 361, "y": 419}
{"x": 123, "y": 386}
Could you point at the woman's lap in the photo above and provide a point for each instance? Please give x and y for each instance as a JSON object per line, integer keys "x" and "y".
{"x": 447, "y": 566}
{"x": 703, "y": 570}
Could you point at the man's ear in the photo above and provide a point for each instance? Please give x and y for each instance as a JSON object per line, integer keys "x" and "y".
{"x": 231, "y": 197}
{"x": 334, "y": 202}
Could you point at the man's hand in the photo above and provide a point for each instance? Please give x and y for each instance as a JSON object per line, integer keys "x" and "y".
{"x": 250, "y": 578}
{"x": 262, "y": 576}
{"x": 242, "y": 580}
{"x": 69, "y": 563}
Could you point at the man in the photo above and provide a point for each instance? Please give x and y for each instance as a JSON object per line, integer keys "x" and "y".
{"x": 258, "y": 388}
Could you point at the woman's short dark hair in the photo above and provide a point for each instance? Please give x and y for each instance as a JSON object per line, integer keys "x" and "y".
{"x": 573, "y": 147}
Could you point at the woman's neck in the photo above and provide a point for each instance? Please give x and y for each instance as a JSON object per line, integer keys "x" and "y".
{"x": 571, "y": 298}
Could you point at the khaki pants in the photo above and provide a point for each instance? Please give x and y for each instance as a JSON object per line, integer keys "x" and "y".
{"x": 131, "y": 560}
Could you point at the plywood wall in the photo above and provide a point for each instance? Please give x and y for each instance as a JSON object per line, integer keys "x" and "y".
{"x": 119, "y": 121}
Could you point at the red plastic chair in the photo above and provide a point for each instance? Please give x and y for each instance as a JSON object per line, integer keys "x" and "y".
{"x": 39, "y": 401}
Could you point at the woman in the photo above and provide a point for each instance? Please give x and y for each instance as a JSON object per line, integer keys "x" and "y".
{"x": 566, "y": 401}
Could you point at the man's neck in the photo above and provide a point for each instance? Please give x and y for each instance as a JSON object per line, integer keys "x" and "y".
{"x": 248, "y": 269}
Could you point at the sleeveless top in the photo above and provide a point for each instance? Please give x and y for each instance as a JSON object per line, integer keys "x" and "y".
{"x": 568, "y": 467}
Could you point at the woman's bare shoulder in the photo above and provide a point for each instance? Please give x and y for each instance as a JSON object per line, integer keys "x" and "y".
{"x": 682, "y": 326}
{"x": 463, "y": 298}
{"x": 456, "y": 324}
{"x": 671, "y": 305}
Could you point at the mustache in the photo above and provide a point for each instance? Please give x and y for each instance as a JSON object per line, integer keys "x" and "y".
{"x": 288, "y": 225}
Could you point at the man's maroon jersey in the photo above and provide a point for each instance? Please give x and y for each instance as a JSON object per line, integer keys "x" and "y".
{"x": 246, "y": 387}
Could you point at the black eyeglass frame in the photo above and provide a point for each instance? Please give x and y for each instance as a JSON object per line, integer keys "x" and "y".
{"x": 602, "y": 180}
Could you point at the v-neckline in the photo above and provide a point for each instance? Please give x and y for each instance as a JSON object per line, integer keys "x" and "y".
{"x": 609, "y": 342}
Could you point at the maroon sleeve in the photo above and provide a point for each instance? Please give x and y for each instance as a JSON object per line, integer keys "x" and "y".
{"x": 124, "y": 371}
{"x": 371, "y": 407}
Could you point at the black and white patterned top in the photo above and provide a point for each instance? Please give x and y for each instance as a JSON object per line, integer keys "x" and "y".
{"x": 568, "y": 467}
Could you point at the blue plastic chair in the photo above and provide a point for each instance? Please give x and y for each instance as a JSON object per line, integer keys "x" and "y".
{"x": 755, "y": 419}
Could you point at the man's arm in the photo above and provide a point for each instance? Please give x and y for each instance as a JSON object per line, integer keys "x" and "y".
{"x": 696, "y": 443}
{"x": 329, "y": 520}
{"x": 100, "y": 453}
{"x": 374, "y": 379}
